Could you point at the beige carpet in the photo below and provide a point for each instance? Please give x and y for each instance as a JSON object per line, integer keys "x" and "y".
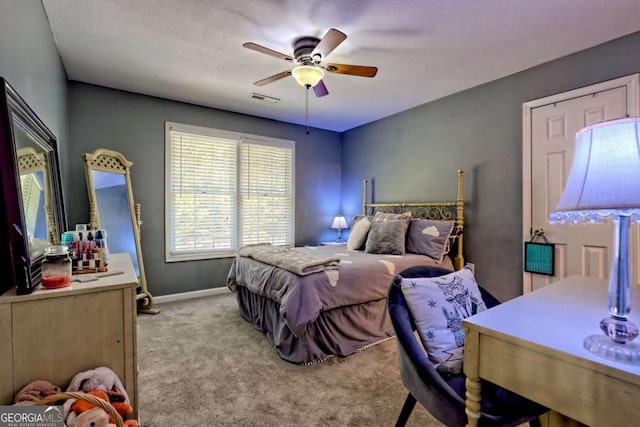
{"x": 201, "y": 364}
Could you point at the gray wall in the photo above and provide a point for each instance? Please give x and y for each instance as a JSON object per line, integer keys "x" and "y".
{"x": 29, "y": 61}
{"x": 479, "y": 130}
{"x": 414, "y": 155}
{"x": 134, "y": 125}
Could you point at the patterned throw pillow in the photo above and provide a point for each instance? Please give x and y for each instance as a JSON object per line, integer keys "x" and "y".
{"x": 430, "y": 238}
{"x": 387, "y": 237}
{"x": 359, "y": 232}
{"x": 438, "y": 305}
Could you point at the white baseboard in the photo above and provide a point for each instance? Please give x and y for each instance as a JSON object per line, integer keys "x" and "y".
{"x": 223, "y": 290}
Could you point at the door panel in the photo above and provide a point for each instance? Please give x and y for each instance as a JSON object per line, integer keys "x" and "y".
{"x": 595, "y": 260}
{"x": 580, "y": 249}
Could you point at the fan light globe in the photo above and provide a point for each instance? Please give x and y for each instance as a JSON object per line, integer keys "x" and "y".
{"x": 307, "y": 75}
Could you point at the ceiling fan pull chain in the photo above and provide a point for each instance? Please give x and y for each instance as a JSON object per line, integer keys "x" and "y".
{"x": 306, "y": 110}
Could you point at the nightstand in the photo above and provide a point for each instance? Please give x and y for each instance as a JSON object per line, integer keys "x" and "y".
{"x": 332, "y": 243}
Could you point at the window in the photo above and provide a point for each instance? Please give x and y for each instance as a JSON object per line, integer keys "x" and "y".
{"x": 224, "y": 190}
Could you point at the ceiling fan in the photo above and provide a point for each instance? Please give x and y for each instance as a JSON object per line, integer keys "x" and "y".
{"x": 308, "y": 53}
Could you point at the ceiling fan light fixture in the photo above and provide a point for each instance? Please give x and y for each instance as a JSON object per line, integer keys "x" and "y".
{"x": 307, "y": 75}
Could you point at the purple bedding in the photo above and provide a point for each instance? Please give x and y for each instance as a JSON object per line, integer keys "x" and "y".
{"x": 304, "y": 303}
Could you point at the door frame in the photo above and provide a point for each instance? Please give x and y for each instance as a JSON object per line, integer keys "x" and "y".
{"x": 632, "y": 83}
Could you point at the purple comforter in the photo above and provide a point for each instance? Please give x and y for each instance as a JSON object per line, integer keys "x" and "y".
{"x": 361, "y": 277}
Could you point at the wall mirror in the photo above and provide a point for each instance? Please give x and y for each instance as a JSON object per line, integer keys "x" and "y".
{"x": 112, "y": 208}
{"x": 33, "y": 216}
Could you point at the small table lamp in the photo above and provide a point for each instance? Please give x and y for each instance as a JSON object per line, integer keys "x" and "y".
{"x": 339, "y": 223}
{"x": 605, "y": 183}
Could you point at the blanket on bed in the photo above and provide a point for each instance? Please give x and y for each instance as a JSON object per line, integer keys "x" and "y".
{"x": 296, "y": 262}
{"x": 362, "y": 277}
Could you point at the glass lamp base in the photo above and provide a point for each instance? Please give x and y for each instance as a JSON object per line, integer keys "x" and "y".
{"x": 619, "y": 329}
{"x": 603, "y": 346}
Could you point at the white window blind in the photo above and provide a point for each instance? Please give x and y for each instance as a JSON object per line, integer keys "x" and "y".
{"x": 267, "y": 193}
{"x": 224, "y": 190}
{"x": 32, "y": 195}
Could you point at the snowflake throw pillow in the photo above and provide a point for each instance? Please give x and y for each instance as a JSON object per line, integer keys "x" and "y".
{"x": 438, "y": 305}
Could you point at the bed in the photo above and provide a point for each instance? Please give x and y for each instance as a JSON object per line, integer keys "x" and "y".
{"x": 338, "y": 306}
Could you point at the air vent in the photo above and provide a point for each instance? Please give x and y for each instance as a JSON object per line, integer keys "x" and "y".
{"x": 264, "y": 98}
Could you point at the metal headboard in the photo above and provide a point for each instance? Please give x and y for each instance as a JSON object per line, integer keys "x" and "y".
{"x": 437, "y": 211}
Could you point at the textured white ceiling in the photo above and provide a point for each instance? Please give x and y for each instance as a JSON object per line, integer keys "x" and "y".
{"x": 191, "y": 50}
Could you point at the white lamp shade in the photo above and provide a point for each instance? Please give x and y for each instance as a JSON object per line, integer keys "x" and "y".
{"x": 605, "y": 175}
{"x": 307, "y": 75}
{"x": 339, "y": 222}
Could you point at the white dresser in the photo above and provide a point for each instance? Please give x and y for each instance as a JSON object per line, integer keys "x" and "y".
{"x": 54, "y": 334}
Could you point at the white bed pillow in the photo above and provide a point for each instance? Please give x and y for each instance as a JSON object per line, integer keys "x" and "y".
{"x": 438, "y": 305}
{"x": 358, "y": 234}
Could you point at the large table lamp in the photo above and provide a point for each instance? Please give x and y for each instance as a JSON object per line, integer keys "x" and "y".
{"x": 605, "y": 183}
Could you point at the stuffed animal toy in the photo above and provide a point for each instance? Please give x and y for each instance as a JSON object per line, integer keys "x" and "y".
{"x": 95, "y": 417}
{"x": 98, "y": 379}
{"x": 101, "y": 378}
{"x": 113, "y": 397}
{"x": 116, "y": 399}
{"x": 35, "y": 391}
{"x": 98, "y": 417}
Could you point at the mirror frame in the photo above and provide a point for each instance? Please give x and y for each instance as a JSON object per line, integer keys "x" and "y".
{"x": 105, "y": 160}
{"x": 15, "y": 257}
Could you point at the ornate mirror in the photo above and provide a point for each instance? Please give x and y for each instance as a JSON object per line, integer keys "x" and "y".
{"x": 112, "y": 209}
{"x": 33, "y": 216}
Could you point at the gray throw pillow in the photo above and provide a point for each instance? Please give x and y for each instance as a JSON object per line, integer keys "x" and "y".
{"x": 383, "y": 216}
{"x": 430, "y": 238}
{"x": 387, "y": 237}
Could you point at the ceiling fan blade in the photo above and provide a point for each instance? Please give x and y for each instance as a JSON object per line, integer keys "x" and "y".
{"x": 273, "y": 78}
{"x": 320, "y": 89}
{"x": 268, "y": 51}
{"x": 354, "y": 70}
{"x": 330, "y": 41}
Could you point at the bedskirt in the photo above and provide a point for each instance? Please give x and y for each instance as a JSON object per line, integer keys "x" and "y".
{"x": 337, "y": 332}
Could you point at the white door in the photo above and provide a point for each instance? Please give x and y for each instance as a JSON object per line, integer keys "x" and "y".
{"x": 579, "y": 249}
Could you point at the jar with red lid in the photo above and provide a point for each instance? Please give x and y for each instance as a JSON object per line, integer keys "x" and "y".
{"x": 56, "y": 267}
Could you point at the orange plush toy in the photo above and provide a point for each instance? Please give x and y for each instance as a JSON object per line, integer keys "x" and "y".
{"x": 116, "y": 400}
